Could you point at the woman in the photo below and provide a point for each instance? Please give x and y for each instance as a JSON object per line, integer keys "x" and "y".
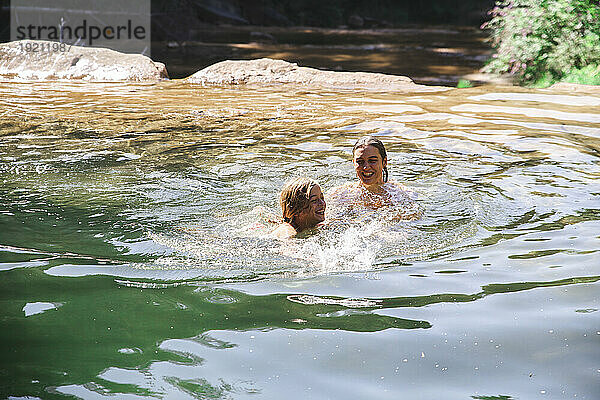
{"x": 303, "y": 206}
{"x": 373, "y": 189}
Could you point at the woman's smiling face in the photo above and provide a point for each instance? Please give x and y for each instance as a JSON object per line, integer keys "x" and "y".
{"x": 369, "y": 165}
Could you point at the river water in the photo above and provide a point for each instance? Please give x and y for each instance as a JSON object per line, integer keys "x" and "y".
{"x": 134, "y": 259}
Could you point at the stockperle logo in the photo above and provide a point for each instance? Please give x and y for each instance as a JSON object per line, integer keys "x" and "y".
{"x": 119, "y": 25}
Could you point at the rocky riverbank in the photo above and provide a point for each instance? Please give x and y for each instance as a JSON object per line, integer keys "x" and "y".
{"x": 45, "y": 60}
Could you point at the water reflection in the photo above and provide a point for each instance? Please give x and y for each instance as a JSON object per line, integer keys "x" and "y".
{"x": 126, "y": 208}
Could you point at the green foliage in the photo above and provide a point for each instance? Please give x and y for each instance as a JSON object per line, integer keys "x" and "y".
{"x": 464, "y": 83}
{"x": 544, "y": 80}
{"x": 589, "y": 75}
{"x": 542, "y": 41}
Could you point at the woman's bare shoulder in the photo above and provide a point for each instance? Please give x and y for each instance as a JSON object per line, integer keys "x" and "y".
{"x": 345, "y": 189}
{"x": 399, "y": 188}
{"x": 396, "y": 185}
{"x": 284, "y": 231}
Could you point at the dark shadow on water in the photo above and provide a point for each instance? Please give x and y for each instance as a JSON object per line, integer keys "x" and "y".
{"x": 426, "y": 54}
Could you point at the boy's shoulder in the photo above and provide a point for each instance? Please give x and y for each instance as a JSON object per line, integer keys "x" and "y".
{"x": 284, "y": 231}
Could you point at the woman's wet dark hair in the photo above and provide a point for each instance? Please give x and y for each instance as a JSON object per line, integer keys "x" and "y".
{"x": 371, "y": 141}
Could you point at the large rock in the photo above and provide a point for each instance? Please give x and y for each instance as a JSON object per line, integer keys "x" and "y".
{"x": 268, "y": 71}
{"x": 41, "y": 60}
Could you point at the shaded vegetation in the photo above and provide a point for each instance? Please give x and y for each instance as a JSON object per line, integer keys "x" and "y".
{"x": 542, "y": 42}
{"x": 179, "y": 17}
{"x": 332, "y": 13}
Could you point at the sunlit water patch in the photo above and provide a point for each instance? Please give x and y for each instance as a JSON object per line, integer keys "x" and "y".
{"x": 179, "y": 186}
{"x": 135, "y": 230}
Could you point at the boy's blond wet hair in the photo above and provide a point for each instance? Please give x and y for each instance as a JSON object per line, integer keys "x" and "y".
{"x": 294, "y": 197}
